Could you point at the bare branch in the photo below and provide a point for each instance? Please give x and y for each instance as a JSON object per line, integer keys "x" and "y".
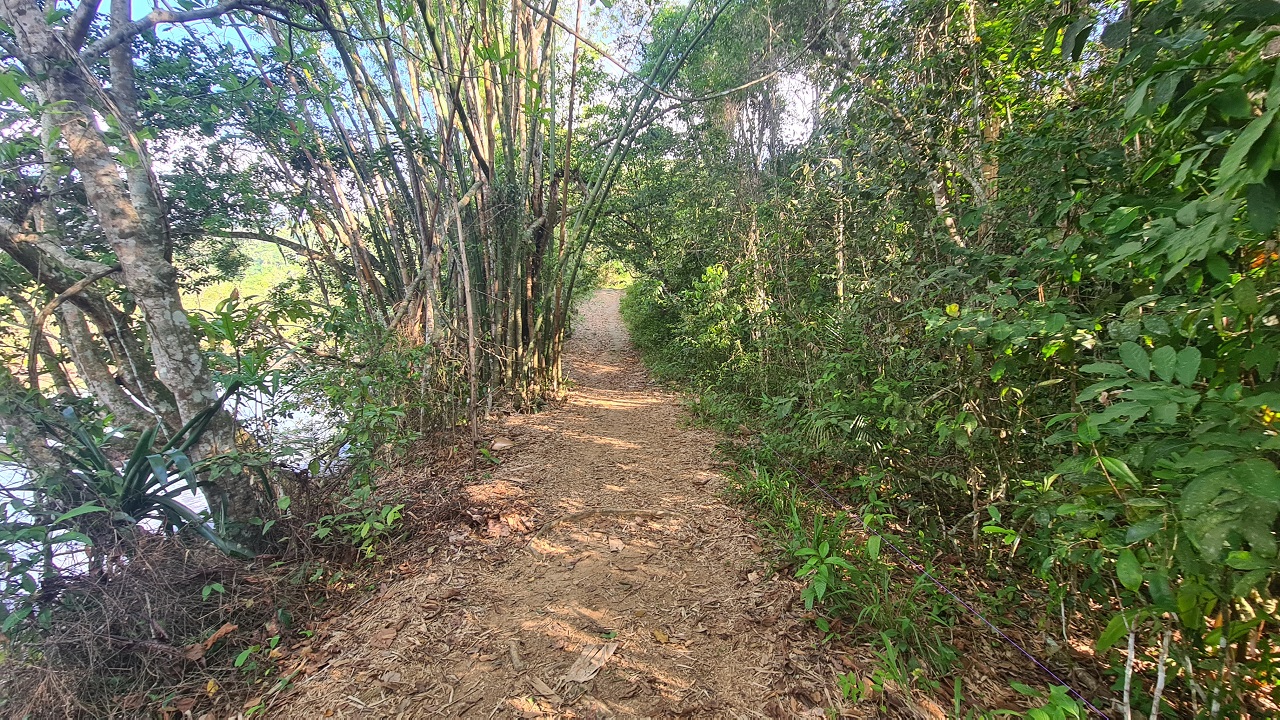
{"x": 37, "y": 325}
{"x": 297, "y": 247}
{"x": 679, "y": 98}
{"x": 155, "y": 17}
{"x": 78, "y": 26}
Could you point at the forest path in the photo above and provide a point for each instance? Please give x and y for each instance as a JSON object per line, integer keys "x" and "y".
{"x": 647, "y": 570}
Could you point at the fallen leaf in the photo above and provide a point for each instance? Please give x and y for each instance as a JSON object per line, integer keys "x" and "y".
{"x": 211, "y": 687}
{"x": 543, "y": 689}
{"x": 616, "y": 545}
{"x": 220, "y": 633}
{"x": 498, "y": 529}
{"x": 383, "y": 638}
{"x": 194, "y": 652}
{"x": 501, "y": 443}
{"x": 526, "y": 707}
{"x": 593, "y": 658}
{"x": 516, "y": 522}
{"x": 184, "y": 705}
{"x": 661, "y": 637}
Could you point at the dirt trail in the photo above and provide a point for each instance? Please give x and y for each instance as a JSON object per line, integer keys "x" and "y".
{"x": 600, "y": 536}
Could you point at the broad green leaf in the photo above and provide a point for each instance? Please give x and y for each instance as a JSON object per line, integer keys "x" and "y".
{"x": 1116, "y": 34}
{"x": 1161, "y": 590}
{"x": 1136, "y": 359}
{"x": 1119, "y": 470}
{"x": 1232, "y": 161}
{"x": 1233, "y": 102}
{"x": 1258, "y": 478}
{"x": 1245, "y": 293}
{"x": 1165, "y": 413}
{"x": 1137, "y": 99}
{"x": 1249, "y": 581}
{"x": 1164, "y": 361}
{"x": 1088, "y": 432}
{"x": 1264, "y": 207}
{"x": 1104, "y": 368}
{"x": 1186, "y": 215}
{"x": 1243, "y": 560}
{"x": 1129, "y": 570}
{"x": 873, "y": 547}
{"x": 1188, "y": 365}
{"x": 1200, "y": 492}
{"x": 1118, "y": 628}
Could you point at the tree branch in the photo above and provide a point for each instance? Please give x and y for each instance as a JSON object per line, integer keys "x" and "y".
{"x": 78, "y": 26}
{"x": 297, "y": 247}
{"x": 156, "y": 17}
{"x": 37, "y": 325}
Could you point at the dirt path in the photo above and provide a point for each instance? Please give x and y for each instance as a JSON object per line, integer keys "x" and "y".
{"x": 600, "y": 537}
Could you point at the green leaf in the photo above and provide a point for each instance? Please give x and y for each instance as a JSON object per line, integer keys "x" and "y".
{"x": 77, "y": 512}
{"x": 1119, "y": 469}
{"x": 1232, "y": 161}
{"x": 1088, "y": 433}
{"x": 1136, "y": 359}
{"x": 1104, "y": 368}
{"x": 1025, "y": 689}
{"x": 1200, "y": 492}
{"x": 1137, "y": 99}
{"x": 1116, "y": 34}
{"x": 1249, "y": 581}
{"x": 1186, "y": 215}
{"x": 873, "y": 547}
{"x": 1233, "y": 102}
{"x": 1118, "y": 628}
{"x": 1164, "y": 361}
{"x": 1075, "y": 37}
{"x": 1218, "y": 268}
{"x": 10, "y": 90}
{"x": 1120, "y": 219}
{"x": 1188, "y": 365}
{"x": 1264, "y": 208}
{"x": 1243, "y": 560}
{"x": 1245, "y": 293}
{"x": 1165, "y": 413}
{"x": 1161, "y": 591}
{"x": 1258, "y": 478}
{"x": 1129, "y": 570}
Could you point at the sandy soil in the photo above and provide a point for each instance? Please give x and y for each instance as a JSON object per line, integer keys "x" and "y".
{"x": 600, "y": 575}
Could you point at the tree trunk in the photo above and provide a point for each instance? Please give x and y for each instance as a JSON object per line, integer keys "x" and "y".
{"x": 131, "y": 217}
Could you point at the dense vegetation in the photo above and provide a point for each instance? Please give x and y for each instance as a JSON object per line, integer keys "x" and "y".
{"x": 1014, "y": 301}
{"x": 429, "y": 176}
{"x": 996, "y": 276}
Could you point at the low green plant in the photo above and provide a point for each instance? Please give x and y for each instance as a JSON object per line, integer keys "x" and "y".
{"x": 98, "y": 505}
{"x": 364, "y": 524}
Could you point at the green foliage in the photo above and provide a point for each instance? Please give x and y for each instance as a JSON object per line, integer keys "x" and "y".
{"x": 96, "y": 508}
{"x": 359, "y": 523}
{"x": 1021, "y": 279}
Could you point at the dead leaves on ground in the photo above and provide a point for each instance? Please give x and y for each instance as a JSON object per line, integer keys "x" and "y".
{"x": 593, "y": 658}
{"x": 196, "y": 651}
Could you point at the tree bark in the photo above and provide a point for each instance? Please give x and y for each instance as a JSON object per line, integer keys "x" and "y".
{"x": 127, "y": 207}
